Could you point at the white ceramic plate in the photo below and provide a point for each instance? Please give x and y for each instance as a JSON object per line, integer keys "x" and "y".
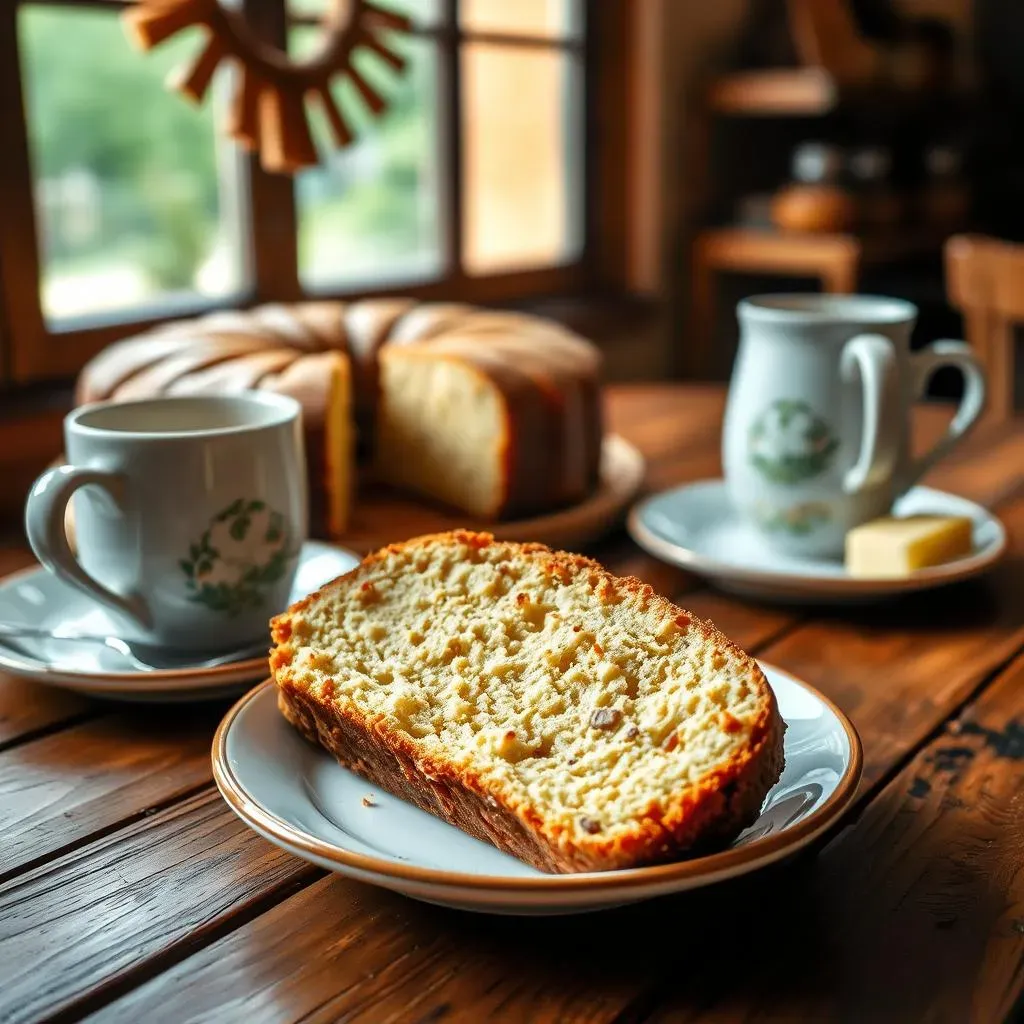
{"x": 38, "y": 598}
{"x": 297, "y": 796}
{"x": 696, "y": 528}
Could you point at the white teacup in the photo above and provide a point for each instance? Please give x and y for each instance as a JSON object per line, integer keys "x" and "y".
{"x": 189, "y": 514}
{"x": 816, "y": 433}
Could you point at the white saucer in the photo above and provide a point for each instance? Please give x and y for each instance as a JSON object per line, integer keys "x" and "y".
{"x": 36, "y": 597}
{"x": 297, "y": 796}
{"x": 696, "y": 528}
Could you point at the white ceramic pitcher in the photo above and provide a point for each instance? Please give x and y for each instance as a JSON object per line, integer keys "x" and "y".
{"x": 816, "y": 433}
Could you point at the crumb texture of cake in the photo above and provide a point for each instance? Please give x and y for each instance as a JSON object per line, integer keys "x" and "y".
{"x": 575, "y": 719}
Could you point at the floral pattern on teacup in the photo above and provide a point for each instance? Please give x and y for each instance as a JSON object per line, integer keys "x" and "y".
{"x": 244, "y": 550}
{"x": 790, "y": 443}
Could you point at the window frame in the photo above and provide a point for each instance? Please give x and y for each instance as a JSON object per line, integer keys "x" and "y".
{"x": 31, "y": 351}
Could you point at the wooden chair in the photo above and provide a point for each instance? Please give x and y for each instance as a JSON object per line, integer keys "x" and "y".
{"x": 985, "y": 281}
{"x": 825, "y": 35}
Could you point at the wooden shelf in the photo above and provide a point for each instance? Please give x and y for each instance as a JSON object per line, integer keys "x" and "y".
{"x": 786, "y": 92}
{"x": 775, "y": 251}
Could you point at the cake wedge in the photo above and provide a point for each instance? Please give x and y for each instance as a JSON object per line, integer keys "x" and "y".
{"x": 573, "y": 719}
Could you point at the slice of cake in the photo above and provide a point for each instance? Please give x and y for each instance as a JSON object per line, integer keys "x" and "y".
{"x": 572, "y": 718}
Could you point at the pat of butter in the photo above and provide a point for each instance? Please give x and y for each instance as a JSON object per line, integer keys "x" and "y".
{"x": 892, "y": 547}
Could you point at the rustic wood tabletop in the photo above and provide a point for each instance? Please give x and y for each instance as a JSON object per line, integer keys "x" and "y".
{"x": 130, "y": 890}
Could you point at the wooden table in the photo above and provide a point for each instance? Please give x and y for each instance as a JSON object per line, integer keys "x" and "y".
{"x": 129, "y": 890}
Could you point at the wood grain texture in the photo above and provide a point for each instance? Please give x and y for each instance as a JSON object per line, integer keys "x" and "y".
{"x": 28, "y": 708}
{"x": 375, "y": 957}
{"x": 87, "y": 920}
{"x": 58, "y": 790}
{"x": 989, "y": 468}
{"x": 939, "y": 855}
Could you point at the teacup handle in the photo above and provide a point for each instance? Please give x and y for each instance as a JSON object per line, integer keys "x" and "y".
{"x": 874, "y": 357}
{"x": 923, "y": 364}
{"x": 44, "y": 524}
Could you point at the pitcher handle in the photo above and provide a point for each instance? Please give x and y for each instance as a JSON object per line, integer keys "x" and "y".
{"x": 872, "y": 357}
{"x": 923, "y": 364}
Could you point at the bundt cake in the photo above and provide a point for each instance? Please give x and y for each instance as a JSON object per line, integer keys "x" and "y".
{"x": 495, "y": 414}
{"x": 571, "y": 718}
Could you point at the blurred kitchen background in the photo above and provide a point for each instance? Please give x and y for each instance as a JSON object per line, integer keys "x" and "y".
{"x": 629, "y": 167}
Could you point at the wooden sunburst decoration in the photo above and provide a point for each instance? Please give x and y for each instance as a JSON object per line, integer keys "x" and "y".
{"x": 268, "y": 109}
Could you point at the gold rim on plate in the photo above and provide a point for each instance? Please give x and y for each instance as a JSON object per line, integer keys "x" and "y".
{"x": 765, "y": 850}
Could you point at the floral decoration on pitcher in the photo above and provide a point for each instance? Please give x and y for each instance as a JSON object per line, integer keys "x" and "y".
{"x": 244, "y": 550}
{"x": 789, "y": 442}
{"x": 798, "y": 520}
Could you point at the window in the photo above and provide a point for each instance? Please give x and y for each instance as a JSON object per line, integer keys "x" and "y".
{"x": 123, "y": 206}
{"x": 134, "y": 193}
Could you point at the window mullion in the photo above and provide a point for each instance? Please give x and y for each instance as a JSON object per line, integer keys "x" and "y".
{"x": 450, "y": 121}
{"x": 273, "y": 224}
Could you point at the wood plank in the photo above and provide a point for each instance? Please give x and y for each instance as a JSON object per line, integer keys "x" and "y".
{"x": 28, "y": 708}
{"x": 340, "y": 950}
{"x": 59, "y": 790}
{"x": 917, "y": 913}
{"x": 628, "y": 405}
{"x": 988, "y": 469}
{"x": 87, "y": 921}
{"x": 940, "y": 857}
